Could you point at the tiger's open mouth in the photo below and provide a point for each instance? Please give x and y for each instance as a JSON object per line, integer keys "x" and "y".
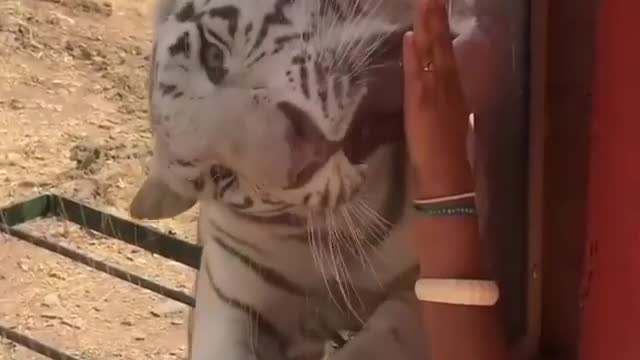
{"x": 369, "y": 131}
{"x": 378, "y": 120}
{"x": 371, "y": 128}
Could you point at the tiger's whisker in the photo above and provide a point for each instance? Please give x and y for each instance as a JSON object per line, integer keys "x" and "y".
{"x": 369, "y": 226}
{"x": 341, "y": 270}
{"x": 358, "y": 237}
{"x": 330, "y": 245}
{"x": 361, "y": 254}
{"x": 318, "y": 248}
{"x": 375, "y": 214}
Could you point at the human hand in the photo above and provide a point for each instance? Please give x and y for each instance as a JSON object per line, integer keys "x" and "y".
{"x": 436, "y": 113}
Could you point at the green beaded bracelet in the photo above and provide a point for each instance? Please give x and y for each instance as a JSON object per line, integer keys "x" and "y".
{"x": 447, "y": 211}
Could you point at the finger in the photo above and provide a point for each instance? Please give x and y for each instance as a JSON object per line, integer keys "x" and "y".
{"x": 411, "y": 67}
{"x": 417, "y": 109}
{"x": 424, "y": 47}
{"x": 412, "y": 83}
{"x": 444, "y": 60}
{"x": 413, "y": 74}
{"x": 423, "y": 36}
{"x": 417, "y": 96}
{"x": 436, "y": 21}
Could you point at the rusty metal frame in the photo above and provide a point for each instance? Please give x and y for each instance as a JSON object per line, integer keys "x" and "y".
{"x": 528, "y": 347}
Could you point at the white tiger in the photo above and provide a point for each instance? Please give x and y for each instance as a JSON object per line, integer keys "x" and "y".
{"x": 262, "y": 112}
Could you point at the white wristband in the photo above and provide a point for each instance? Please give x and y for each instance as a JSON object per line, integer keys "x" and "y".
{"x": 458, "y": 291}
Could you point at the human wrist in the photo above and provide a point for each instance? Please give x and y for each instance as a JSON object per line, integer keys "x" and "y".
{"x": 459, "y": 254}
{"x": 443, "y": 173}
{"x": 472, "y": 270}
{"x": 448, "y": 183}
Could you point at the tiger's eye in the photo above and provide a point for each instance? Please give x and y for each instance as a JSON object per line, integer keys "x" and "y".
{"x": 220, "y": 173}
{"x": 212, "y": 58}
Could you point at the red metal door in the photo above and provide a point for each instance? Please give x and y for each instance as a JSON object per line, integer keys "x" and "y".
{"x": 611, "y": 322}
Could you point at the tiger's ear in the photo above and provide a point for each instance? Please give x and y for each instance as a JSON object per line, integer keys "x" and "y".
{"x": 156, "y": 200}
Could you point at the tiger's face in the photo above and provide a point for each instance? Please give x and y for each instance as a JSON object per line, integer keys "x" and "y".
{"x": 280, "y": 92}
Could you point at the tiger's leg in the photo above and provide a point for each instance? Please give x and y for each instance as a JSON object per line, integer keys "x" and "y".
{"x": 227, "y": 327}
{"x": 190, "y": 316}
{"x": 394, "y": 331}
{"x": 190, "y": 319}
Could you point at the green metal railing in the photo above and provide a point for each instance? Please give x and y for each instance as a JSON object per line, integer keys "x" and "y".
{"x": 110, "y": 225}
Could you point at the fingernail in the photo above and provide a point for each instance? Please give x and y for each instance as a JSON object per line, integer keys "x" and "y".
{"x": 406, "y": 39}
{"x": 408, "y": 35}
{"x": 406, "y": 45}
{"x": 407, "y": 52}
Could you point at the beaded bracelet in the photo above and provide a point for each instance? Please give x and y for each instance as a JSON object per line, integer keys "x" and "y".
{"x": 447, "y": 211}
{"x": 455, "y": 205}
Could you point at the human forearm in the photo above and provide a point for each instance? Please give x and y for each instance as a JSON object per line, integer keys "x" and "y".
{"x": 450, "y": 248}
{"x": 478, "y": 326}
{"x": 447, "y": 240}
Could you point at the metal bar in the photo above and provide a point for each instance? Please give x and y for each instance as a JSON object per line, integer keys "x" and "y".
{"x": 25, "y": 211}
{"x": 35, "y": 345}
{"x": 109, "y": 225}
{"x": 137, "y": 235}
{"x": 100, "y": 265}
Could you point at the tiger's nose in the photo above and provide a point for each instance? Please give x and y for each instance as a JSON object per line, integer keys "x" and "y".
{"x": 310, "y": 149}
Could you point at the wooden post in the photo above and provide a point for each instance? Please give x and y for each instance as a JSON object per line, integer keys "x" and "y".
{"x": 611, "y": 322}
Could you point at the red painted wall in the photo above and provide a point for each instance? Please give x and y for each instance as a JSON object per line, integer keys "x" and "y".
{"x": 611, "y": 319}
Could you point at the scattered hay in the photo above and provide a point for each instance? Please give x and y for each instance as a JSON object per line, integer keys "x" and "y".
{"x": 104, "y": 8}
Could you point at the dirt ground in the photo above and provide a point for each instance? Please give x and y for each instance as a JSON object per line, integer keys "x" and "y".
{"x": 73, "y": 120}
